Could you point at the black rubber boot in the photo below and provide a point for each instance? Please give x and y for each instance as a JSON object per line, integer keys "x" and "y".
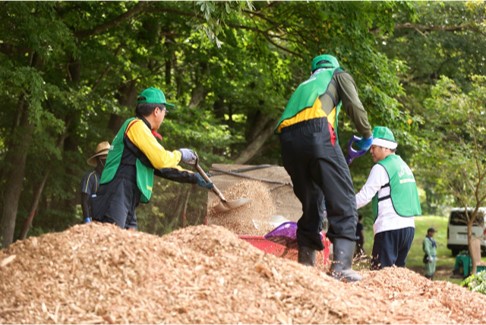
{"x": 307, "y": 256}
{"x": 343, "y": 250}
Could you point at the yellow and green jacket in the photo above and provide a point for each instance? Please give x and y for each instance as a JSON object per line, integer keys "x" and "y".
{"x": 136, "y": 135}
{"x": 322, "y": 96}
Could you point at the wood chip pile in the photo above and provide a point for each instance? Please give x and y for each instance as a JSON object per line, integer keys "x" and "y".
{"x": 250, "y": 219}
{"x": 98, "y": 273}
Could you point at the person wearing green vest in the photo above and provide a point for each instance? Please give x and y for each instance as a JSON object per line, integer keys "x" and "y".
{"x": 134, "y": 157}
{"x": 429, "y": 246}
{"x": 392, "y": 189}
{"x": 314, "y": 160}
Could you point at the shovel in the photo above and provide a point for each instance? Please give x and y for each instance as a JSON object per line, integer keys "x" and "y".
{"x": 224, "y": 205}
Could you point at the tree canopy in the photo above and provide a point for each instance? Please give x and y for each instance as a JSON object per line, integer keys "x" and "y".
{"x": 70, "y": 73}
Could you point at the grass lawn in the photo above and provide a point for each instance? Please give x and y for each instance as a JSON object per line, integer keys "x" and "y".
{"x": 445, "y": 262}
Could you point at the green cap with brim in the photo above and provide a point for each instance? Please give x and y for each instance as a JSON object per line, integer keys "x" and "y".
{"x": 153, "y": 96}
{"x": 325, "y": 61}
{"x": 383, "y": 137}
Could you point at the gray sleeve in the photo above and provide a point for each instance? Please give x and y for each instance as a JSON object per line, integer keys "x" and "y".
{"x": 348, "y": 94}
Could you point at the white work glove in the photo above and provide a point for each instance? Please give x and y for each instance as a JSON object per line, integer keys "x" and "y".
{"x": 188, "y": 156}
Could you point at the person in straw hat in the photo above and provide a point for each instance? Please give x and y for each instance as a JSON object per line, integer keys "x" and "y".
{"x": 392, "y": 189}
{"x": 91, "y": 179}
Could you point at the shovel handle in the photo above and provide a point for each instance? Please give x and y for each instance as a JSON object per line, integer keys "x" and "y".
{"x": 207, "y": 179}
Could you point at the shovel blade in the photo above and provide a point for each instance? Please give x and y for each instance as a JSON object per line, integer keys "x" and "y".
{"x": 225, "y": 206}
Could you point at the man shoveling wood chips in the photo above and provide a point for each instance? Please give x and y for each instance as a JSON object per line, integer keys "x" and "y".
{"x": 133, "y": 159}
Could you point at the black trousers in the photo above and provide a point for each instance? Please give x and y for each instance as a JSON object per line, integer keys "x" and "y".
{"x": 321, "y": 179}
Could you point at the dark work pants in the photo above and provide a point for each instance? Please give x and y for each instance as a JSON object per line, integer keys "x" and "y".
{"x": 319, "y": 176}
{"x": 391, "y": 248}
{"x": 116, "y": 201}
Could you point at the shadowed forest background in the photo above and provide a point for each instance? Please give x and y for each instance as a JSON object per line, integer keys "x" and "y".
{"x": 70, "y": 73}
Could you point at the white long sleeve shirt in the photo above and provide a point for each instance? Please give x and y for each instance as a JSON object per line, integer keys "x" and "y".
{"x": 387, "y": 218}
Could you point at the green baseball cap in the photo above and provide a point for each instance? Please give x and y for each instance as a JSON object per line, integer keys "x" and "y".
{"x": 153, "y": 96}
{"x": 383, "y": 137}
{"x": 326, "y": 61}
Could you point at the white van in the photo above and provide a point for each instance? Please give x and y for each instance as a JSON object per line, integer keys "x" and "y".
{"x": 457, "y": 230}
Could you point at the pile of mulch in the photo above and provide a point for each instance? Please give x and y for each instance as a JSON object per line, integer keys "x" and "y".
{"x": 98, "y": 273}
{"x": 252, "y": 218}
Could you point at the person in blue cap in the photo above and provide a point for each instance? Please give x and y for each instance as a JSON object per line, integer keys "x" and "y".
{"x": 135, "y": 156}
{"x": 392, "y": 189}
{"x": 314, "y": 160}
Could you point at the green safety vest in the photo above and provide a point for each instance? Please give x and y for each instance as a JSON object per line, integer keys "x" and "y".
{"x": 403, "y": 189}
{"x": 306, "y": 94}
{"x": 145, "y": 175}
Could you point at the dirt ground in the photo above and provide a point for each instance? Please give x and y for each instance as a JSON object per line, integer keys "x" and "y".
{"x": 442, "y": 272}
{"x": 98, "y": 273}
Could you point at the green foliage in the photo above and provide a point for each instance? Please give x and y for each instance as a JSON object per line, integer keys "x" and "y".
{"x": 230, "y": 68}
{"x": 435, "y": 39}
{"x": 199, "y": 129}
{"x": 476, "y": 282}
{"x": 216, "y": 13}
{"x": 457, "y": 139}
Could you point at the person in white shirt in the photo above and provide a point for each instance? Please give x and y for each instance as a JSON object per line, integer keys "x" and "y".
{"x": 392, "y": 189}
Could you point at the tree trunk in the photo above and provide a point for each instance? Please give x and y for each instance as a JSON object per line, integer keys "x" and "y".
{"x": 127, "y": 96}
{"x": 262, "y": 131}
{"x": 187, "y": 195}
{"x": 474, "y": 246}
{"x": 33, "y": 210}
{"x": 198, "y": 95}
{"x": 15, "y": 165}
{"x": 199, "y": 92}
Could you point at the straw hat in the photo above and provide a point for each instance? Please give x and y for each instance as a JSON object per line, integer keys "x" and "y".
{"x": 101, "y": 150}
